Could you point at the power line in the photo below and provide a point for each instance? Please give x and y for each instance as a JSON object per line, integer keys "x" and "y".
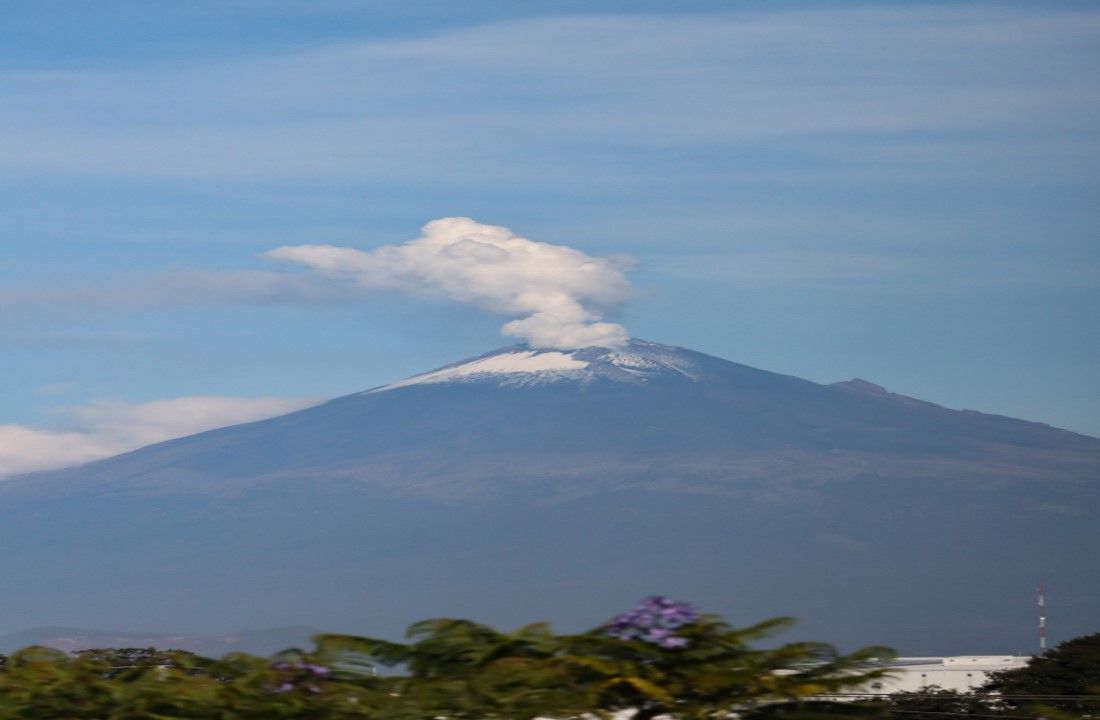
{"x": 964, "y": 714}
{"x": 968, "y": 695}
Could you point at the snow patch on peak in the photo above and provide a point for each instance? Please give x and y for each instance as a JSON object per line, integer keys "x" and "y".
{"x": 527, "y": 362}
{"x": 521, "y": 366}
{"x": 643, "y": 358}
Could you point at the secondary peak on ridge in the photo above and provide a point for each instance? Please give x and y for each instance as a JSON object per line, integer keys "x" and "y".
{"x": 862, "y": 386}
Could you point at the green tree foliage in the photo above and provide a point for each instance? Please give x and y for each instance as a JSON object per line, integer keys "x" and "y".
{"x": 936, "y": 703}
{"x": 664, "y": 659}
{"x": 695, "y": 669}
{"x": 1064, "y": 680}
{"x": 117, "y": 662}
{"x": 44, "y": 684}
{"x": 1063, "y": 684}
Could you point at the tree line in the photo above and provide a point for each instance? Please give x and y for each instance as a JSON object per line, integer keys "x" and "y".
{"x": 662, "y": 658}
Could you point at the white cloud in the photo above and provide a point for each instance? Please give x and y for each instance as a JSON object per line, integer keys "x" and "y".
{"x": 107, "y": 428}
{"x": 558, "y": 295}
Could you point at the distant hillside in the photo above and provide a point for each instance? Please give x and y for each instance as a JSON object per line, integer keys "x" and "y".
{"x": 257, "y": 642}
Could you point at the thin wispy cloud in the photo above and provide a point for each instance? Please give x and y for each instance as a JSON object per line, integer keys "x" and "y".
{"x": 457, "y": 106}
{"x": 790, "y": 268}
{"x": 173, "y": 288}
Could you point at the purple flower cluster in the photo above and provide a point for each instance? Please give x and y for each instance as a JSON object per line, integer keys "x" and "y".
{"x": 294, "y": 675}
{"x": 653, "y": 620}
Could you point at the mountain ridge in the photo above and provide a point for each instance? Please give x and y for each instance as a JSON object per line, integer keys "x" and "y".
{"x": 748, "y": 492}
{"x": 765, "y": 426}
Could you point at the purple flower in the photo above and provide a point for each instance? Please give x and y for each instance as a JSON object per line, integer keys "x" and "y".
{"x": 653, "y": 620}
{"x": 295, "y": 675}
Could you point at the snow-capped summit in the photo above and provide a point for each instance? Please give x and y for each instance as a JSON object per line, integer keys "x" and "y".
{"x": 519, "y": 365}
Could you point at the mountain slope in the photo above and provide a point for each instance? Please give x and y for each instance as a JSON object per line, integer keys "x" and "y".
{"x": 525, "y": 485}
{"x": 650, "y": 415}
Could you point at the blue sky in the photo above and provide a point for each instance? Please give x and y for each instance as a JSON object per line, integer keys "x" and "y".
{"x": 903, "y": 192}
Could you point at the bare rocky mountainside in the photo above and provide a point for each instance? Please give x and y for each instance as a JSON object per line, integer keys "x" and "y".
{"x": 524, "y": 485}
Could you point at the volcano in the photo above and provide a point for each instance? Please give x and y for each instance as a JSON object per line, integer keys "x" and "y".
{"x": 529, "y": 484}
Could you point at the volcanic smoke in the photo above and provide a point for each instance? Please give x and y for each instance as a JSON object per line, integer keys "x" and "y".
{"x": 558, "y": 296}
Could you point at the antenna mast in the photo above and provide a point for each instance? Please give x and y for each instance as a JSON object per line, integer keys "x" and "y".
{"x": 1042, "y": 623}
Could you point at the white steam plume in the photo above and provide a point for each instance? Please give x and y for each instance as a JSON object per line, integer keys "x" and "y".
{"x": 558, "y": 295}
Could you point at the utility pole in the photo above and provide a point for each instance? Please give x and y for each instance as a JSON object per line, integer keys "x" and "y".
{"x": 1042, "y": 622}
